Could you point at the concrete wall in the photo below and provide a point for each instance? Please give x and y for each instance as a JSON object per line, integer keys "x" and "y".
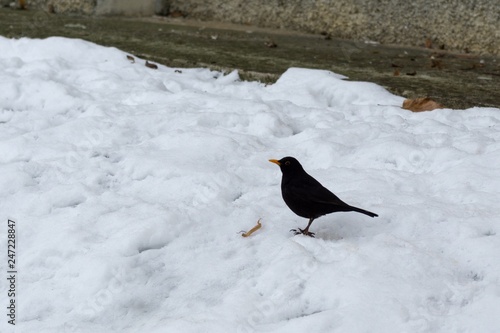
{"x": 472, "y": 25}
{"x": 86, "y": 7}
{"x": 456, "y": 24}
{"x": 126, "y": 7}
{"x": 100, "y": 7}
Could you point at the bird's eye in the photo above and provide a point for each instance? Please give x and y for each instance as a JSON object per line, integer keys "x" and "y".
{"x": 287, "y": 163}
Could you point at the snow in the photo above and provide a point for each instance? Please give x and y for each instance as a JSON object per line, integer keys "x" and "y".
{"x": 129, "y": 187}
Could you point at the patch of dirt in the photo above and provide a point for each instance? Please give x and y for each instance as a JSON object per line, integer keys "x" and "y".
{"x": 452, "y": 79}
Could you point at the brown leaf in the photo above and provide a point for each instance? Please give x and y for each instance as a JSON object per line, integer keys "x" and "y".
{"x": 396, "y": 72}
{"x": 428, "y": 43}
{"x": 435, "y": 55}
{"x": 254, "y": 229}
{"x": 176, "y": 14}
{"x": 435, "y": 63}
{"x": 151, "y": 65}
{"x": 132, "y": 59}
{"x": 421, "y": 104}
{"x": 271, "y": 44}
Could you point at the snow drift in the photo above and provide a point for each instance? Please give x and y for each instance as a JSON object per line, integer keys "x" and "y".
{"x": 129, "y": 186}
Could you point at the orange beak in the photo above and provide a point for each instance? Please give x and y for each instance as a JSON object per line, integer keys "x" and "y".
{"x": 275, "y": 162}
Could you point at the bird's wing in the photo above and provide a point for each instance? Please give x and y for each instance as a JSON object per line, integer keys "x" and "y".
{"x": 310, "y": 189}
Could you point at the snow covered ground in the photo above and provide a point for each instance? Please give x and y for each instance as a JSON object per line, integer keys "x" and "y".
{"x": 129, "y": 186}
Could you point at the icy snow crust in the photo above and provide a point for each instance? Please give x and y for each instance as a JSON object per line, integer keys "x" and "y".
{"x": 129, "y": 186}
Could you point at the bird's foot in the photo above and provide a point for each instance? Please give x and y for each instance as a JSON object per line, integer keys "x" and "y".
{"x": 299, "y": 231}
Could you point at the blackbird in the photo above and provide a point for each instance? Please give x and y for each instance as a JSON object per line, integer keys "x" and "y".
{"x": 306, "y": 197}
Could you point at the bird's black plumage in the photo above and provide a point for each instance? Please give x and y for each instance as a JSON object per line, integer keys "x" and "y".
{"x": 306, "y": 197}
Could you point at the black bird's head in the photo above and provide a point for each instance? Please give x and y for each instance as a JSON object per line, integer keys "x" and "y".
{"x": 288, "y": 165}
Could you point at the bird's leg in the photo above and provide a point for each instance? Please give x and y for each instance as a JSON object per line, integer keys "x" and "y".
{"x": 306, "y": 230}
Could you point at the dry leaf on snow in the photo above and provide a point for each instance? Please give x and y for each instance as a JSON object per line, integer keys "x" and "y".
{"x": 251, "y": 231}
{"x": 421, "y": 104}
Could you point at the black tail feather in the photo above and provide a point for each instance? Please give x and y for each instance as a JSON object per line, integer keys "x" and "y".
{"x": 362, "y": 211}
